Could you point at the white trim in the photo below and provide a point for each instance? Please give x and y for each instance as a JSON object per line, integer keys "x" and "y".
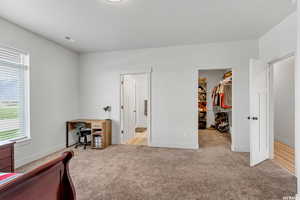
{"x": 271, "y": 111}
{"x": 149, "y": 129}
{"x": 234, "y": 146}
{"x": 27, "y": 97}
{"x": 23, "y": 139}
{"x": 149, "y": 77}
{"x": 137, "y": 70}
{"x": 282, "y": 58}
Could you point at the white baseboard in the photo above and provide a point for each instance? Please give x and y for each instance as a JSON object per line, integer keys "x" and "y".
{"x": 39, "y": 154}
{"x": 240, "y": 149}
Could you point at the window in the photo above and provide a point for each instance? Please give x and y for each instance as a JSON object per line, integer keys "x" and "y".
{"x": 14, "y": 94}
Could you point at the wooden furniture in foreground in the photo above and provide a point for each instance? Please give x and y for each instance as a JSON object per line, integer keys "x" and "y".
{"x": 284, "y": 156}
{"x": 50, "y": 181}
{"x": 99, "y": 127}
{"x": 7, "y": 157}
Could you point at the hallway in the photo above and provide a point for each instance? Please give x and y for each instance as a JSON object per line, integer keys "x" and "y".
{"x": 140, "y": 138}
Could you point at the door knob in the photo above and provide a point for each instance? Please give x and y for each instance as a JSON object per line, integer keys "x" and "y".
{"x": 252, "y": 118}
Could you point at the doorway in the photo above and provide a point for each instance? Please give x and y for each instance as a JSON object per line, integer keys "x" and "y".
{"x": 215, "y": 108}
{"x": 135, "y": 109}
{"x": 282, "y": 113}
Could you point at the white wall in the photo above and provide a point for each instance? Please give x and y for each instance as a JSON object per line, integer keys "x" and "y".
{"x": 141, "y": 96}
{"x": 280, "y": 40}
{"x": 213, "y": 79}
{"x": 284, "y": 101}
{"x": 174, "y": 87}
{"x": 53, "y": 91}
{"x": 297, "y": 106}
{"x": 277, "y": 43}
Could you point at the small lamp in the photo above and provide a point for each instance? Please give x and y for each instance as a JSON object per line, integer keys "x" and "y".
{"x": 107, "y": 109}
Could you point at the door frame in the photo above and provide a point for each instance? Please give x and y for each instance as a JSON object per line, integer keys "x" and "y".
{"x": 233, "y": 133}
{"x": 271, "y": 103}
{"x": 149, "y": 97}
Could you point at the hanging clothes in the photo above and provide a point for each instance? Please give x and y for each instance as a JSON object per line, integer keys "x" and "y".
{"x": 226, "y": 96}
{"x": 222, "y": 95}
{"x": 222, "y": 103}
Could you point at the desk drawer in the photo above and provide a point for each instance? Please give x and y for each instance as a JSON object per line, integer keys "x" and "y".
{"x": 97, "y": 125}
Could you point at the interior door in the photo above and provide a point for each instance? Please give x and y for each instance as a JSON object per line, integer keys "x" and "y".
{"x": 258, "y": 118}
{"x": 129, "y": 107}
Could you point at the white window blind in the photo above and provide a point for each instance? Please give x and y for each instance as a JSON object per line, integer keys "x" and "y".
{"x": 13, "y": 96}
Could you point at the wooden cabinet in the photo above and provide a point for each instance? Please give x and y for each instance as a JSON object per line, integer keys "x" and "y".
{"x": 103, "y": 130}
{"x": 98, "y": 127}
{"x": 7, "y": 157}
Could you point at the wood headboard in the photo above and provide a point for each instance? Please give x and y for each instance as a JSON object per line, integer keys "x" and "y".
{"x": 50, "y": 181}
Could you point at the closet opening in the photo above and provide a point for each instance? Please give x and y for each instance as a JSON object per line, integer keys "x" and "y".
{"x": 135, "y": 107}
{"x": 215, "y": 107}
{"x": 282, "y": 112}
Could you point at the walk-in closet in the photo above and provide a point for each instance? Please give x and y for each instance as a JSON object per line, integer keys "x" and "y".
{"x": 215, "y": 107}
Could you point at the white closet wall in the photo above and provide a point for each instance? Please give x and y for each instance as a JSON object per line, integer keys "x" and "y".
{"x": 284, "y": 101}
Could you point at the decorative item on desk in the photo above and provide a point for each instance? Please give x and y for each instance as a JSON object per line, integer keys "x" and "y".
{"x": 107, "y": 109}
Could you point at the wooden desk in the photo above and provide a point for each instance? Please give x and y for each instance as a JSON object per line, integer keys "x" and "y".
{"x": 95, "y": 125}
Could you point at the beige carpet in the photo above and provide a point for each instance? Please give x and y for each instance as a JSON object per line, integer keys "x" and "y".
{"x": 211, "y": 138}
{"x": 124, "y": 172}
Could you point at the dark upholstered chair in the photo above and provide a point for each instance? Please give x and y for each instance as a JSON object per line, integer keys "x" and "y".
{"x": 82, "y": 132}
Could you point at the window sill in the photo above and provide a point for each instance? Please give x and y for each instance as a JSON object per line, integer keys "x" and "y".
{"x": 20, "y": 140}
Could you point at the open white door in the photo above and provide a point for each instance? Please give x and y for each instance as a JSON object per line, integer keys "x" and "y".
{"x": 258, "y": 118}
{"x": 129, "y": 108}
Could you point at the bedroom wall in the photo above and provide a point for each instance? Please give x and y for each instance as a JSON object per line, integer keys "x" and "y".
{"x": 53, "y": 91}
{"x": 280, "y": 40}
{"x": 174, "y": 87}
